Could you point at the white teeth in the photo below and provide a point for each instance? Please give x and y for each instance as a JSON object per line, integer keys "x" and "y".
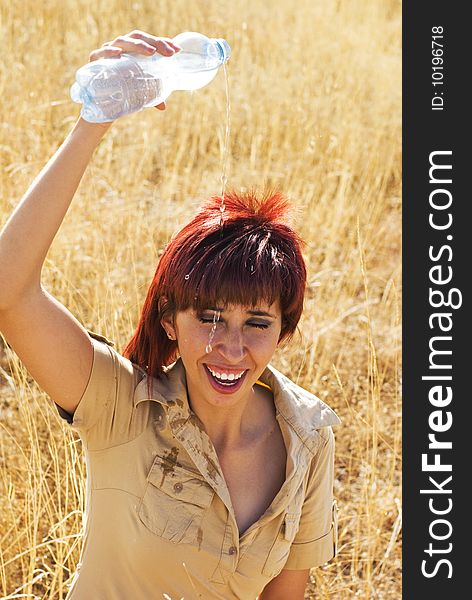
{"x": 225, "y": 376}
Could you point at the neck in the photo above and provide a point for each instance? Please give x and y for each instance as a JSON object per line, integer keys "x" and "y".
{"x": 237, "y": 428}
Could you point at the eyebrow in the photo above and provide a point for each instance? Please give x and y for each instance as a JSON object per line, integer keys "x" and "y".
{"x": 256, "y": 313}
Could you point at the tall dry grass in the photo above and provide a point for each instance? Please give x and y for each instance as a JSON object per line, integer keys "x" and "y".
{"x": 315, "y": 110}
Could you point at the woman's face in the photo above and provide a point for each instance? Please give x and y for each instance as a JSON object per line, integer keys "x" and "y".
{"x": 222, "y": 367}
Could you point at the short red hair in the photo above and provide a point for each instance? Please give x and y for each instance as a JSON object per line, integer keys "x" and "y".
{"x": 255, "y": 255}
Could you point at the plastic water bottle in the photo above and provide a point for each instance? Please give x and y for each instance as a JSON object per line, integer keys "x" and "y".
{"x": 112, "y": 87}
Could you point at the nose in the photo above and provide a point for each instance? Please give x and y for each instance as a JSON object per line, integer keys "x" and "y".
{"x": 231, "y": 345}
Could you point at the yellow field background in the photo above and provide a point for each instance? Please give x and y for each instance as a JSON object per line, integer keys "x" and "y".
{"x": 315, "y": 95}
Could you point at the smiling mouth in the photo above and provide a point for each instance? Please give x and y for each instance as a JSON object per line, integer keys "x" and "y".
{"x": 225, "y": 384}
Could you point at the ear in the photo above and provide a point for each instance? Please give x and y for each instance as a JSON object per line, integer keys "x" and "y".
{"x": 167, "y": 323}
{"x": 167, "y": 320}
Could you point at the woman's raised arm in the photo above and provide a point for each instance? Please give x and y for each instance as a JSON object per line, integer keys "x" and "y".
{"x": 51, "y": 343}
{"x": 27, "y": 236}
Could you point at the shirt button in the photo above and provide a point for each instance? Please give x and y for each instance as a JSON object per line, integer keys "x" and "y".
{"x": 232, "y": 550}
{"x": 178, "y": 487}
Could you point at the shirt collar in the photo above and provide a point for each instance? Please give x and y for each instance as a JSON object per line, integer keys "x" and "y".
{"x": 302, "y": 410}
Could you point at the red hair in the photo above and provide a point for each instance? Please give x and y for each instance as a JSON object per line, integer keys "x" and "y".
{"x": 254, "y": 255}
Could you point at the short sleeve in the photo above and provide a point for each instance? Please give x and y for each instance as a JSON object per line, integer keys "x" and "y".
{"x": 105, "y": 415}
{"x": 316, "y": 539}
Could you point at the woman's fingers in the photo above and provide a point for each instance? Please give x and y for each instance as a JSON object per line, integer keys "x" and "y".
{"x": 163, "y": 45}
{"x": 105, "y": 52}
{"x": 129, "y": 44}
{"x": 144, "y": 43}
{"x": 137, "y": 42}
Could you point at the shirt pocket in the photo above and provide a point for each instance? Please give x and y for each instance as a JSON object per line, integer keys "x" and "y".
{"x": 280, "y": 549}
{"x": 174, "y": 502}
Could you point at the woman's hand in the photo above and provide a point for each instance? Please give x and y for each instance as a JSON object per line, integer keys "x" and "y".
{"x": 136, "y": 42}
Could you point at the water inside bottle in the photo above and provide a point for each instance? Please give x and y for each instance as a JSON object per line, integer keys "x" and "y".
{"x": 113, "y": 89}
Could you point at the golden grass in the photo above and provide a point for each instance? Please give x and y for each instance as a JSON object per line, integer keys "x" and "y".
{"x": 315, "y": 93}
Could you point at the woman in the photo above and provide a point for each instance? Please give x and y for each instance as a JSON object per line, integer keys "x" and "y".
{"x": 209, "y": 473}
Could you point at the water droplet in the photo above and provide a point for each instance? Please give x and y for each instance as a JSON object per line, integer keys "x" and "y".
{"x": 216, "y": 317}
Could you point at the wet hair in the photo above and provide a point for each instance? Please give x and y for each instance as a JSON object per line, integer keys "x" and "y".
{"x": 243, "y": 255}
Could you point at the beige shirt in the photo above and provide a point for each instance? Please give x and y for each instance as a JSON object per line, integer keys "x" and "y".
{"x": 159, "y": 518}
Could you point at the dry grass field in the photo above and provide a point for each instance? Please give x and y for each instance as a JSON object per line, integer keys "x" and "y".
{"x": 315, "y": 96}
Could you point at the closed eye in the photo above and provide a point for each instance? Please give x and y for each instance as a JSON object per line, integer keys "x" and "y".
{"x": 257, "y": 325}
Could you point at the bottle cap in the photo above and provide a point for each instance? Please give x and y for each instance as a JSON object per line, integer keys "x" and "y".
{"x": 224, "y": 48}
